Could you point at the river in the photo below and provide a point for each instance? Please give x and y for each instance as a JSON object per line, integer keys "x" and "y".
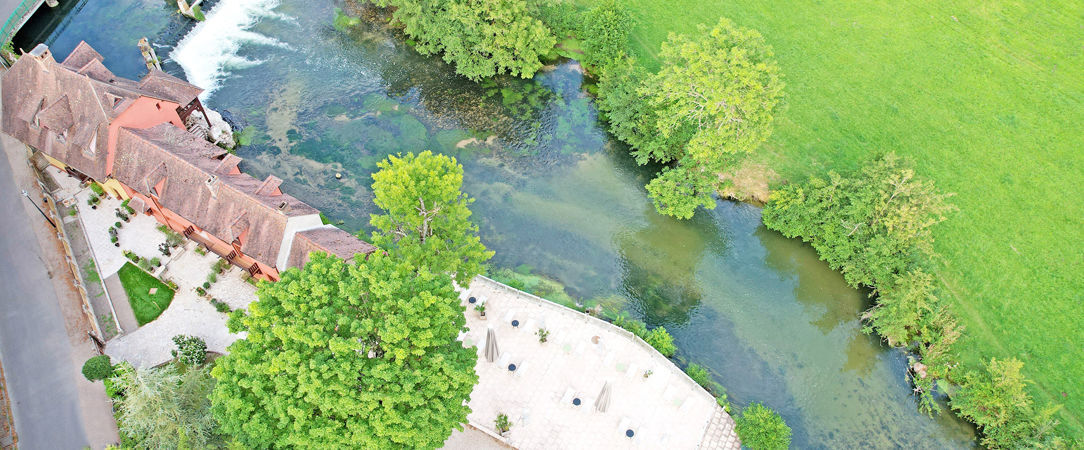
{"x": 555, "y": 196}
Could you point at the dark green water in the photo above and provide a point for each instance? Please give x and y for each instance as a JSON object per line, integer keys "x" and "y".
{"x": 553, "y": 192}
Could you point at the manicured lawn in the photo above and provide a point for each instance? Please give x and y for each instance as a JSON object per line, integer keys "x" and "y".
{"x": 988, "y": 98}
{"x": 137, "y": 284}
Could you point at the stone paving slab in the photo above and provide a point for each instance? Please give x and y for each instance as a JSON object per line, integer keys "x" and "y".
{"x": 140, "y": 235}
{"x": 664, "y": 410}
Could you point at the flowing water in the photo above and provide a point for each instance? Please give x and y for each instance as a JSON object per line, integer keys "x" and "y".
{"x": 555, "y": 198}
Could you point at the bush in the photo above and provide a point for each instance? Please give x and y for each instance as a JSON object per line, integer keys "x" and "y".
{"x": 632, "y": 325}
{"x": 124, "y": 205}
{"x": 191, "y": 351}
{"x": 220, "y": 305}
{"x": 605, "y": 34}
{"x": 98, "y": 368}
{"x": 995, "y": 399}
{"x": 97, "y": 188}
{"x": 699, "y": 374}
{"x": 760, "y": 428}
{"x": 662, "y": 341}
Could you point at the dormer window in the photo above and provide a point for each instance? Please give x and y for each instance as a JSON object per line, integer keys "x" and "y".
{"x": 62, "y": 137}
{"x": 282, "y": 205}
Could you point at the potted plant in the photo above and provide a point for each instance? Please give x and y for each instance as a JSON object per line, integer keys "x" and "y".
{"x": 543, "y": 335}
{"x": 118, "y": 225}
{"x": 502, "y": 424}
{"x": 481, "y": 308}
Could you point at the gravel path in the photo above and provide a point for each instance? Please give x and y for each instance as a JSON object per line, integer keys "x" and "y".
{"x": 189, "y": 313}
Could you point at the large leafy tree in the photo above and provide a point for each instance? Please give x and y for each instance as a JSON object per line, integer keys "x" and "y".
{"x": 426, "y": 217}
{"x": 164, "y": 408}
{"x": 340, "y": 354}
{"x": 872, "y": 225}
{"x": 482, "y": 38}
{"x": 714, "y": 100}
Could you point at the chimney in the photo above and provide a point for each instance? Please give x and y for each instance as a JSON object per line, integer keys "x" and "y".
{"x": 270, "y": 186}
{"x": 42, "y": 55}
{"x": 228, "y": 165}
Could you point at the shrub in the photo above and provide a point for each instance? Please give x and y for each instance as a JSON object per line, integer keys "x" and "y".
{"x": 543, "y": 335}
{"x": 220, "y": 266}
{"x": 760, "y": 428}
{"x": 995, "y": 399}
{"x": 220, "y": 305}
{"x": 201, "y": 291}
{"x": 502, "y": 423}
{"x": 699, "y": 374}
{"x": 156, "y": 262}
{"x": 191, "y": 351}
{"x": 97, "y": 188}
{"x": 98, "y": 368}
{"x": 632, "y": 325}
{"x": 662, "y": 341}
{"x": 124, "y": 205}
{"x": 605, "y": 33}
{"x": 145, "y": 264}
{"x": 201, "y": 251}
{"x": 211, "y": 278}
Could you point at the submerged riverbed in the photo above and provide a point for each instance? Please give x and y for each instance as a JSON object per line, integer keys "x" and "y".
{"x": 555, "y": 197}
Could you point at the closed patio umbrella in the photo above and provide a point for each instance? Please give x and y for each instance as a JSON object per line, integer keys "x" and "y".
{"x": 603, "y": 401}
{"x": 492, "y": 352}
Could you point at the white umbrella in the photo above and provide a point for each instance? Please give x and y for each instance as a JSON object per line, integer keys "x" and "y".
{"x": 492, "y": 352}
{"x": 603, "y": 401}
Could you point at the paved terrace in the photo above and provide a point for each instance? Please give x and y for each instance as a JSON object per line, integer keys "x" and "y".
{"x": 663, "y": 410}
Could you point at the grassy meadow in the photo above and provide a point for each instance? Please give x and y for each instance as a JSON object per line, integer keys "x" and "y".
{"x": 988, "y": 99}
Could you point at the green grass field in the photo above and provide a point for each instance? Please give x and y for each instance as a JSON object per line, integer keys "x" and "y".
{"x": 989, "y": 101}
{"x": 137, "y": 285}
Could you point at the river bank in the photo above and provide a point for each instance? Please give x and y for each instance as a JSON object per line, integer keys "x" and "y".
{"x": 554, "y": 192}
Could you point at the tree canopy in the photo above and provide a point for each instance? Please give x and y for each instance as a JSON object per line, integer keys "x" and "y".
{"x": 164, "y": 407}
{"x": 872, "y": 225}
{"x": 715, "y": 98}
{"x": 426, "y": 217}
{"x": 760, "y": 428}
{"x": 482, "y": 38}
{"x": 342, "y": 354}
{"x": 995, "y": 400}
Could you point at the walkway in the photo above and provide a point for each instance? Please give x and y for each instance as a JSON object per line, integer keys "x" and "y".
{"x": 125, "y": 316}
{"x": 649, "y": 396}
{"x": 42, "y": 328}
{"x": 189, "y": 313}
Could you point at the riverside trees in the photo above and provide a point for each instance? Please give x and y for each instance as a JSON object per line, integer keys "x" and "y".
{"x": 875, "y": 226}
{"x": 363, "y": 353}
{"x": 482, "y": 38}
{"x": 714, "y": 99}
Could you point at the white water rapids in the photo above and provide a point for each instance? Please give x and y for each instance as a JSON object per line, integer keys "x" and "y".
{"x": 209, "y": 52}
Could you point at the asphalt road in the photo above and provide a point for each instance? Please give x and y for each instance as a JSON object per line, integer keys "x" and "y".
{"x": 34, "y": 346}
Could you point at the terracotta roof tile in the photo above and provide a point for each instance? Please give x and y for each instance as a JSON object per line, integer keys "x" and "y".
{"x": 57, "y": 117}
{"x": 221, "y": 204}
{"x": 169, "y": 87}
{"x": 327, "y": 239}
{"x": 82, "y": 54}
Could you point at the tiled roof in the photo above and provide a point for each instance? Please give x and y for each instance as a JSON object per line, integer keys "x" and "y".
{"x": 224, "y": 205}
{"x": 169, "y": 87}
{"x": 328, "y": 239}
